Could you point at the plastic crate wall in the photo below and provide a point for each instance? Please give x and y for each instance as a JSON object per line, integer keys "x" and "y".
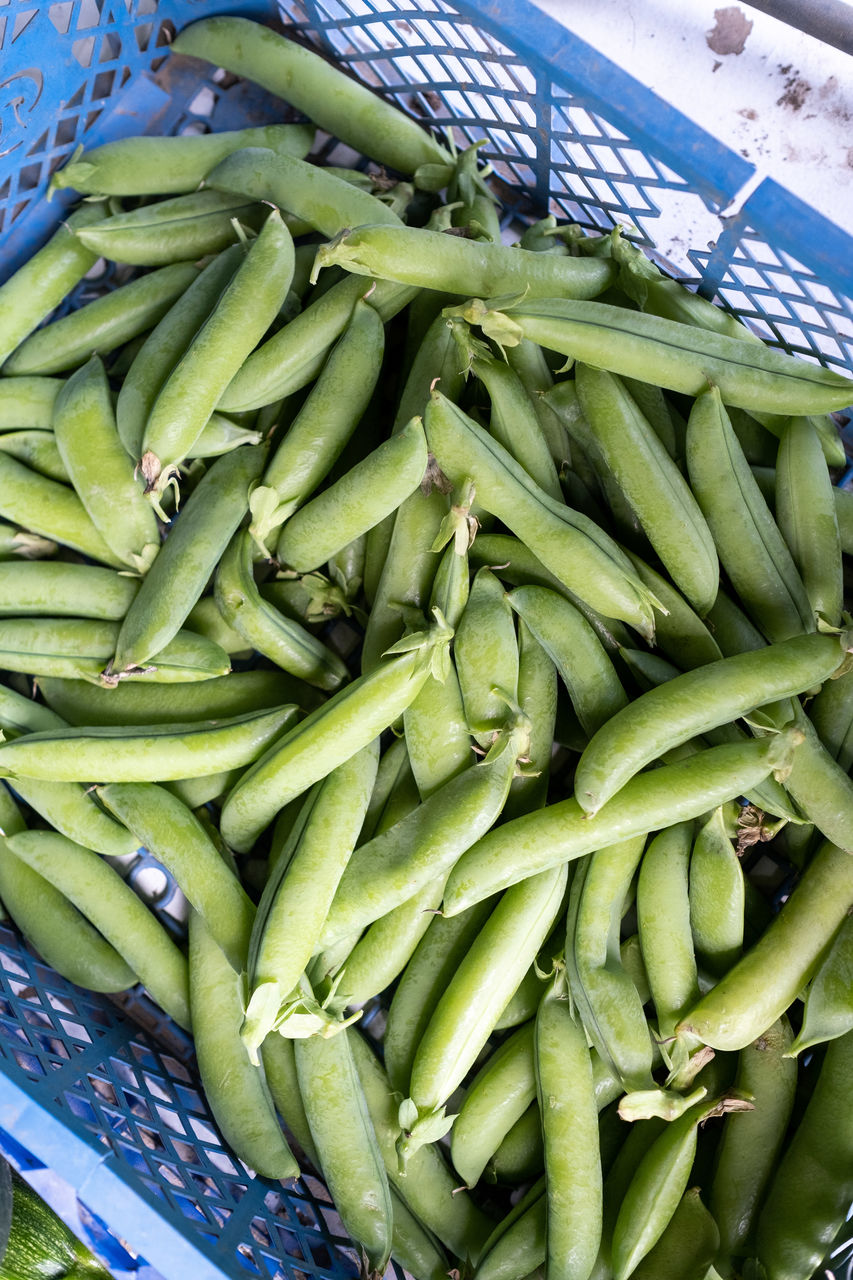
{"x": 115, "y": 1108}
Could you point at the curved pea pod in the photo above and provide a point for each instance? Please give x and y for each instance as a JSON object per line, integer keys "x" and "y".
{"x": 579, "y": 656}
{"x": 266, "y": 629}
{"x": 751, "y": 549}
{"x": 51, "y": 509}
{"x": 372, "y": 489}
{"x": 485, "y": 650}
{"x": 831, "y": 713}
{"x": 696, "y": 701}
{"x": 413, "y": 1247}
{"x": 809, "y": 1197}
{"x": 573, "y": 1181}
{"x": 80, "y": 648}
{"x": 165, "y": 345}
{"x": 524, "y": 1001}
{"x": 299, "y": 890}
{"x": 653, "y": 485}
{"x": 673, "y": 793}
{"x": 36, "y": 449}
{"x": 680, "y": 633}
{"x": 279, "y": 1065}
{"x": 144, "y": 753}
{"x": 177, "y": 230}
{"x": 675, "y": 356}
{"x": 71, "y": 810}
{"x": 54, "y": 587}
{"x": 169, "y": 830}
{"x": 102, "y": 325}
{"x": 805, "y": 513}
{"x": 101, "y": 894}
{"x": 437, "y": 733}
{"x": 188, "y": 557}
{"x": 769, "y": 977}
{"x": 520, "y": 1155}
{"x": 27, "y": 403}
{"x": 79, "y": 702}
{"x": 331, "y": 412}
{"x": 717, "y": 896}
{"x": 823, "y": 792}
{"x": 244, "y": 312}
{"x": 514, "y": 422}
{"x": 687, "y": 1248}
{"x": 346, "y": 1143}
{"x": 518, "y": 1245}
{"x": 497, "y": 1097}
{"x": 151, "y": 166}
{"x": 537, "y": 700}
{"x": 663, "y": 917}
{"x": 100, "y": 470}
{"x": 60, "y": 933}
{"x": 386, "y": 947}
{"x": 220, "y": 435}
{"x": 751, "y": 1142}
{"x": 348, "y": 721}
{"x": 236, "y": 1090}
{"x": 433, "y": 260}
{"x": 24, "y": 714}
{"x": 828, "y": 1011}
{"x": 37, "y": 287}
{"x": 566, "y": 542}
{"x": 338, "y": 104}
{"x": 478, "y": 992}
{"x": 205, "y": 619}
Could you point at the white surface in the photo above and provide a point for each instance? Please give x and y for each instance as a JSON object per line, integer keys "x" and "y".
{"x": 784, "y": 102}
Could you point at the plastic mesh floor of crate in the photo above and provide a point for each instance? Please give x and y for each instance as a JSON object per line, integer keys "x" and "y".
{"x": 99, "y": 1099}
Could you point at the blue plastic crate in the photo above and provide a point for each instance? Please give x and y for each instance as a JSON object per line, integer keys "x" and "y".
{"x": 117, "y": 1109}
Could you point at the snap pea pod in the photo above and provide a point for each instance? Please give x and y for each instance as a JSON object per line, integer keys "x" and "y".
{"x": 169, "y": 830}
{"x": 38, "y": 450}
{"x": 279, "y": 1064}
{"x": 674, "y": 793}
{"x": 144, "y": 753}
{"x": 751, "y": 1142}
{"x": 165, "y": 345}
{"x": 51, "y": 509}
{"x": 520, "y": 1155}
{"x": 676, "y": 356}
{"x": 102, "y": 325}
{"x": 24, "y": 714}
{"x": 413, "y": 1247}
{"x": 188, "y": 557}
{"x": 537, "y": 699}
{"x": 521, "y": 1249}
{"x": 337, "y": 103}
{"x": 680, "y": 633}
{"x": 524, "y": 1001}
{"x": 655, "y": 488}
{"x": 177, "y": 230}
{"x": 717, "y": 896}
{"x": 805, "y": 513}
{"x": 387, "y": 945}
{"x": 828, "y": 1011}
{"x": 54, "y": 587}
{"x": 821, "y": 789}
{"x": 60, "y": 933}
{"x": 194, "y": 793}
{"x": 236, "y": 1090}
{"x": 496, "y": 1098}
{"x": 71, "y": 810}
{"x": 844, "y": 513}
{"x": 514, "y": 422}
{"x": 205, "y": 619}
{"x": 220, "y": 435}
{"x": 751, "y": 549}
{"x": 101, "y": 472}
{"x": 485, "y": 650}
{"x": 687, "y": 1247}
{"x": 346, "y": 1143}
{"x": 37, "y": 287}
{"x": 696, "y": 701}
{"x": 150, "y": 166}
{"x": 809, "y": 1197}
{"x": 566, "y": 542}
{"x": 101, "y": 894}
{"x": 663, "y": 920}
{"x": 266, "y": 629}
{"x": 831, "y": 713}
{"x": 348, "y": 721}
{"x": 28, "y": 403}
{"x": 768, "y": 978}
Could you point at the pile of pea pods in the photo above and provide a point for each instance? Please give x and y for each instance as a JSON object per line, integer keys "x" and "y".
{"x": 454, "y": 620}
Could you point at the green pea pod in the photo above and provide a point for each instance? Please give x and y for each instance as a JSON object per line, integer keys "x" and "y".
{"x": 188, "y": 557}
{"x": 717, "y": 896}
{"x": 751, "y": 549}
{"x": 522, "y": 1247}
{"x": 751, "y": 1142}
{"x": 823, "y": 792}
{"x": 663, "y": 918}
{"x": 573, "y": 1182}
{"x": 51, "y": 509}
{"x": 220, "y": 435}
{"x": 279, "y": 1064}
{"x": 146, "y": 753}
{"x": 680, "y": 633}
{"x": 100, "y": 470}
{"x": 486, "y": 654}
{"x": 696, "y": 701}
{"x": 386, "y": 947}
{"x": 236, "y": 1090}
{"x": 844, "y": 512}
{"x": 769, "y": 977}
{"x": 28, "y": 403}
{"x": 828, "y": 1009}
{"x": 348, "y": 721}
{"x": 165, "y": 345}
{"x": 520, "y": 1155}
{"x": 537, "y": 699}
{"x": 37, "y": 287}
{"x": 286, "y": 643}
{"x": 687, "y": 1247}
{"x": 102, "y": 325}
{"x": 51, "y": 923}
{"x": 101, "y": 894}
{"x": 524, "y": 1001}
{"x": 497, "y": 1097}
{"x": 514, "y": 422}
{"x": 809, "y": 1197}
{"x": 566, "y": 542}
{"x": 71, "y": 810}
{"x": 75, "y": 590}
{"x": 432, "y": 260}
{"x": 674, "y": 793}
{"x": 437, "y": 734}
{"x": 413, "y": 1247}
{"x": 372, "y": 489}
{"x": 151, "y": 166}
{"x": 233, "y": 329}
{"x": 169, "y": 830}
{"x": 38, "y": 450}
{"x": 177, "y": 230}
{"x": 346, "y": 1143}
{"x": 676, "y": 356}
{"x": 805, "y": 512}
{"x": 205, "y": 619}
{"x": 24, "y": 714}
{"x": 831, "y": 713}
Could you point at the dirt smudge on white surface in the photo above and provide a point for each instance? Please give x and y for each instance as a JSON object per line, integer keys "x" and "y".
{"x": 730, "y": 31}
